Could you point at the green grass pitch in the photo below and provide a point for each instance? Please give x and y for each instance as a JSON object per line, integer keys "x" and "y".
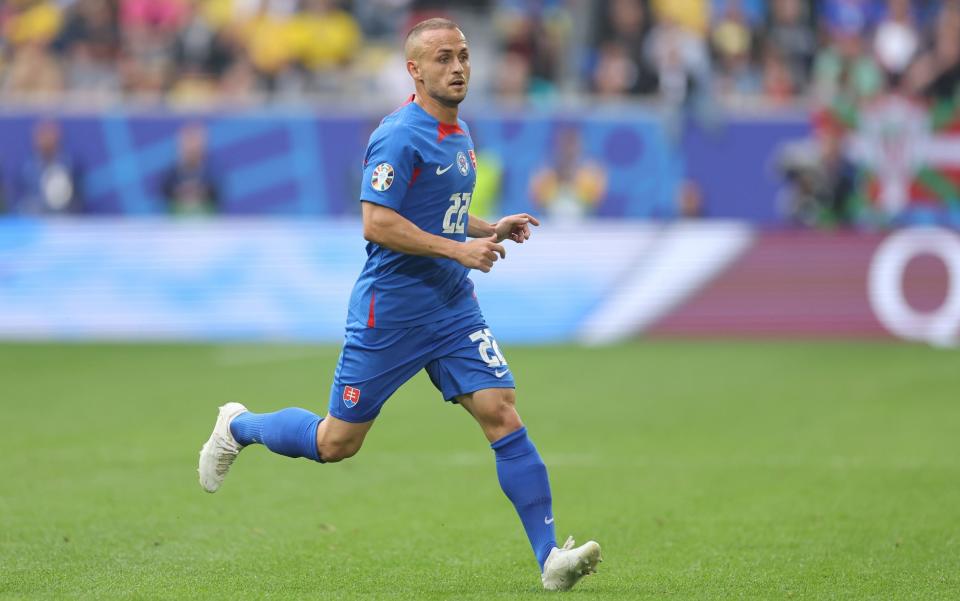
{"x": 707, "y": 470}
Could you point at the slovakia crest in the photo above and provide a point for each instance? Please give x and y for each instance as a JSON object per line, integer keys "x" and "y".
{"x": 462, "y": 164}
{"x": 351, "y": 396}
{"x": 382, "y": 177}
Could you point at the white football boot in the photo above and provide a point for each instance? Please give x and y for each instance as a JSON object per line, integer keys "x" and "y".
{"x": 567, "y": 565}
{"x": 220, "y": 450}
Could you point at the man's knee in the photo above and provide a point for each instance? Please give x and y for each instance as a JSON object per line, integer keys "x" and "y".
{"x": 503, "y": 412}
{"x": 495, "y": 410}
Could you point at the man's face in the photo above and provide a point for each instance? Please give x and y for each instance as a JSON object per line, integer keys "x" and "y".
{"x": 47, "y": 138}
{"x": 443, "y": 65}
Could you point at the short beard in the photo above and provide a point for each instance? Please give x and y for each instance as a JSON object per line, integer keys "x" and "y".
{"x": 447, "y": 101}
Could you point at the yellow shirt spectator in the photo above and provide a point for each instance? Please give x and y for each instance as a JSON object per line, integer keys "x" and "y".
{"x": 324, "y": 40}
{"x": 218, "y": 13}
{"x": 38, "y": 23}
{"x": 270, "y": 43}
{"x": 691, "y": 14}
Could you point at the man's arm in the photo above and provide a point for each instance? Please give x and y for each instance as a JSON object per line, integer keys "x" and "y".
{"x": 514, "y": 227}
{"x": 390, "y": 229}
{"x": 478, "y": 228}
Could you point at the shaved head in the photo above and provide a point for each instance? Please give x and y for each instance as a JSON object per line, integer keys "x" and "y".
{"x": 438, "y": 61}
{"x": 412, "y": 46}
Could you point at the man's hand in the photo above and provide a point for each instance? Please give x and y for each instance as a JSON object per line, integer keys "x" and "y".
{"x": 515, "y": 227}
{"x": 481, "y": 253}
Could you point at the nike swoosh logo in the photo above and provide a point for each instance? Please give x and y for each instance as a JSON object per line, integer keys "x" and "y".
{"x": 547, "y": 520}
{"x": 500, "y": 374}
{"x": 442, "y": 171}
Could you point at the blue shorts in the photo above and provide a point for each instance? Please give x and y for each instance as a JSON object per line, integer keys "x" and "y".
{"x": 461, "y": 357}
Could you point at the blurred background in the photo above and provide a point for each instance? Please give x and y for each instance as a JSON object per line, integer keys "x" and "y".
{"x": 189, "y": 169}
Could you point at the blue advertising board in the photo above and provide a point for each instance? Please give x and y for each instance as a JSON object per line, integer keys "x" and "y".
{"x": 306, "y": 163}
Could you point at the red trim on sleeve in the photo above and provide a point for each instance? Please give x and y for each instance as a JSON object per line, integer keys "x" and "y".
{"x": 413, "y": 178}
{"x": 371, "y": 322}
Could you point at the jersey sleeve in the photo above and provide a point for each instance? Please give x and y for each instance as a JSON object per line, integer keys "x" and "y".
{"x": 387, "y": 167}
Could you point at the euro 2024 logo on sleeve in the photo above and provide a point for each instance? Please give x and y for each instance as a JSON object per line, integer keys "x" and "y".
{"x": 382, "y": 177}
{"x": 462, "y": 164}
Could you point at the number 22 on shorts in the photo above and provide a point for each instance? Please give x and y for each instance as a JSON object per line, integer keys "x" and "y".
{"x": 488, "y": 349}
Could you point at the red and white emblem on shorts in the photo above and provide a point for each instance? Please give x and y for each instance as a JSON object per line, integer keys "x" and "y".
{"x": 351, "y": 396}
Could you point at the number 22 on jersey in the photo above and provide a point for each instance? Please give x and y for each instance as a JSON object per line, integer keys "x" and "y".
{"x": 454, "y": 219}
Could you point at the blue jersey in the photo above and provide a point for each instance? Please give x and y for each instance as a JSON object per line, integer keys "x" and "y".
{"x": 425, "y": 170}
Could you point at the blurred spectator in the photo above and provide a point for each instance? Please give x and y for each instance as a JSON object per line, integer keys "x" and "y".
{"x": 732, "y": 47}
{"x": 844, "y": 72}
{"x": 90, "y": 42}
{"x": 679, "y": 54}
{"x": 778, "y": 84}
{"x": 284, "y": 47}
{"x": 33, "y": 73}
{"x": 203, "y": 55}
{"x": 32, "y": 21}
{"x": 200, "y": 47}
{"x": 615, "y": 74}
{"x": 207, "y": 51}
{"x": 533, "y": 35}
{"x": 48, "y": 181}
{"x": 690, "y": 201}
{"x": 690, "y": 15}
{"x": 378, "y": 18}
{"x": 512, "y": 83}
{"x": 753, "y": 11}
{"x": 327, "y": 39}
{"x": 239, "y": 83}
{"x": 848, "y": 17}
{"x": 573, "y": 186}
{"x": 821, "y": 181}
{"x": 156, "y": 15}
{"x": 190, "y": 187}
{"x": 29, "y": 29}
{"x": 936, "y": 73}
{"x": 790, "y": 32}
{"x": 328, "y": 35}
{"x": 149, "y": 29}
{"x": 896, "y": 40}
{"x": 622, "y": 66}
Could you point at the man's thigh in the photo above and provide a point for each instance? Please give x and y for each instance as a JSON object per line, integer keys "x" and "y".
{"x": 469, "y": 359}
{"x": 373, "y": 364}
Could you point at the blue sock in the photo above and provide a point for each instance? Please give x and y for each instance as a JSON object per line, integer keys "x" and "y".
{"x": 523, "y": 478}
{"x": 291, "y": 432}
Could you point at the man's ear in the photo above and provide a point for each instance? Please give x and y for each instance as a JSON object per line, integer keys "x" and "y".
{"x": 413, "y": 68}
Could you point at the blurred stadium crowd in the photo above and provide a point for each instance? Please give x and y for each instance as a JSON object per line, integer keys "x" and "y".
{"x": 197, "y": 52}
{"x": 880, "y": 79}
